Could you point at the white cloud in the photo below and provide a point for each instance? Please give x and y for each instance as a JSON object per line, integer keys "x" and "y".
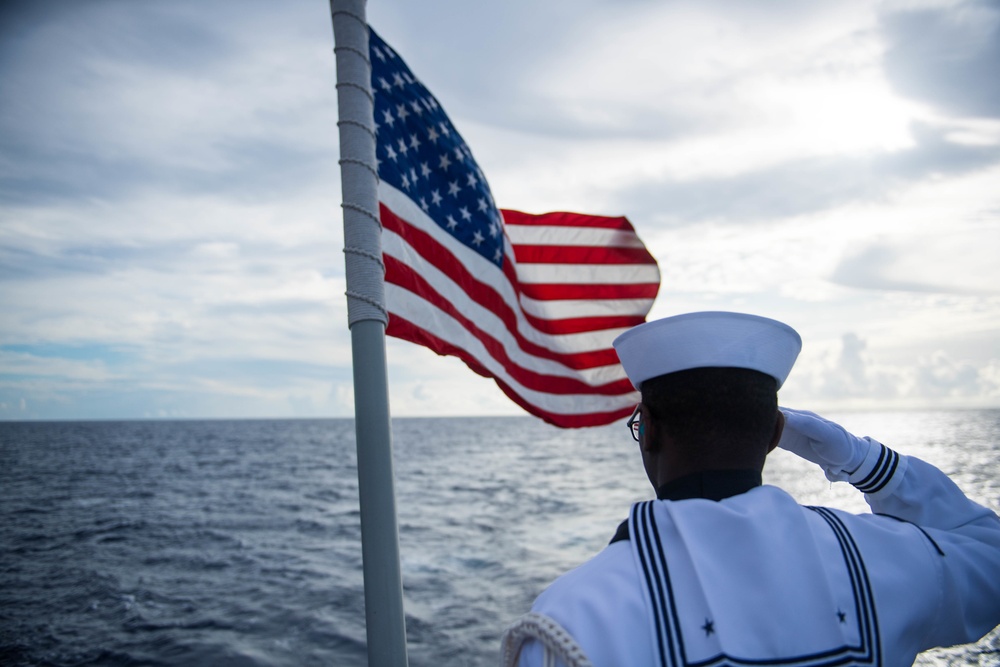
{"x": 169, "y": 194}
{"x": 854, "y": 376}
{"x": 421, "y": 383}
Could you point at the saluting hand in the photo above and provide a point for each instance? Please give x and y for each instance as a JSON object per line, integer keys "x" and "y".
{"x": 823, "y": 442}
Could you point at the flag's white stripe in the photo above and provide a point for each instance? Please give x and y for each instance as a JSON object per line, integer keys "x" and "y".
{"x": 396, "y": 246}
{"x": 574, "y": 236}
{"x": 408, "y": 305}
{"x": 407, "y": 210}
{"x": 571, "y": 274}
{"x": 426, "y": 316}
{"x": 478, "y": 266}
{"x": 565, "y": 309}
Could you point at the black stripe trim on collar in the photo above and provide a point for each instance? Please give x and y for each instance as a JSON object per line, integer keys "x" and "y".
{"x": 710, "y": 485}
{"x": 668, "y": 637}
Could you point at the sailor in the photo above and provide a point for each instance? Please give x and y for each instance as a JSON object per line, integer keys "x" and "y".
{"x": 722, "y": 570}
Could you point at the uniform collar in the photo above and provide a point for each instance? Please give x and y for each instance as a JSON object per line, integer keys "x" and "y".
{"x": 710, "y": 484}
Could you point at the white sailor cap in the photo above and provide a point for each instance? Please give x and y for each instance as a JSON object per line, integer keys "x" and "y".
{"x": 708, "y": 339}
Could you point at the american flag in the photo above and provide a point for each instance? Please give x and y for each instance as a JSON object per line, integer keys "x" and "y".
{"x": 532, "y": 301}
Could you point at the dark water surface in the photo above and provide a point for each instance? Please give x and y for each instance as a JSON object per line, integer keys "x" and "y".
{"x": 238, "y": 542}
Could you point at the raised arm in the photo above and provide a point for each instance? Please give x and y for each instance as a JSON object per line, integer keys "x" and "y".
{"x": 965, "y": 536}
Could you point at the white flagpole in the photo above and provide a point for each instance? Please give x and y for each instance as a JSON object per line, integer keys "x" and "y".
{"x": 367, "y": 318}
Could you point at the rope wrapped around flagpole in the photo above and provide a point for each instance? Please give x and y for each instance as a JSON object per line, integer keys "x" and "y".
{"x": 367, "y": 318}
{"x": 359, "y": 176}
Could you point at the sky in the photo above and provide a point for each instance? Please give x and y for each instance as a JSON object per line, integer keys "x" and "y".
{"x": 171, "y": 238}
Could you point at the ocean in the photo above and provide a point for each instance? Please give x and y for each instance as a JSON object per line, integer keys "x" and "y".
{"x": 238, "y": 542}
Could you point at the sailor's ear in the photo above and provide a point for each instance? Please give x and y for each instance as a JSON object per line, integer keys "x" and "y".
{"x": 779, "y": 426}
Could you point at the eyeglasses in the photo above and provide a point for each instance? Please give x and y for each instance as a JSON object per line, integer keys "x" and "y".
{"x": 635, "y": 421}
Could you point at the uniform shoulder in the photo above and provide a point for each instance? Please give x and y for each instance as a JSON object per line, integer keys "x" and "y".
{"x": 612, "y": 566}
{"x": 601, "y": 605}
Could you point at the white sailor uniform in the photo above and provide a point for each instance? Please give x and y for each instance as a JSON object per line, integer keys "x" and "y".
{"x": 757, "y": 579}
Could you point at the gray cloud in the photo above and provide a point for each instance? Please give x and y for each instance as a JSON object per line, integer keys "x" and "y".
{"x": 947, "y": 56}
{"x": 858, "y": 375}
{"x": 103, "y": 98}
{"x": 805, "y": 186}
{"x": 853, "y": 375}
{"x": 251, "y": 168}
{"x": 866, "y": 269}
{"x": 168, "y": 187}
{"x": 958, "y": 262}
{"x": 941, "y": 376}
{"x": 164, "y": 35}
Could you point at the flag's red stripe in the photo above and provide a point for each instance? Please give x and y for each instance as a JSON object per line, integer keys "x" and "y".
{"x": 596, "y": 255}
{"x": 529, "y": 379}
{"x": 478, "y": 291}
{"x": 406, "y": 330}
{"x": 400, "y": 274}
{"x": 573, "y": 325}
{"x": 578, "y": 420}
{"x": 563, "y": 219}
{"x": 562, "y": 291}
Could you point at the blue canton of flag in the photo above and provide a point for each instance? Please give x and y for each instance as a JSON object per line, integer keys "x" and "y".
{"x": 420, "y": 153}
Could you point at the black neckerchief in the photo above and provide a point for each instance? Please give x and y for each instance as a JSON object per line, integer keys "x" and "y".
{"x": 710, "y": 485}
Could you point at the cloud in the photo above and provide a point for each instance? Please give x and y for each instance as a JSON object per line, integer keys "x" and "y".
{"x": 804, "y": 186}
{"x": 103, "y": 99}
{"x": 848, "y": 374}
{"x": 422, "y": 383}
{"x": 938, "y": 375}
{"x": 960, "y": 261}
{"x": 170, "y": 237}
{"x": 947, "y": 55}
{"x": 852, "y": 375}
{"x": 95, "y": 381}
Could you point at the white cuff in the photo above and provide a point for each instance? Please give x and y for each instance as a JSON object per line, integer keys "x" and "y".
{"x": 880, "y": 472}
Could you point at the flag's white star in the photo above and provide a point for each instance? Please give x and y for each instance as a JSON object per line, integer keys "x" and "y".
{"x": 401, "y": 112}
{"x": 453, "y": 188}
{"x": 436, "y": 198}
{"x": 465, "y": 214}
{"x": 478, "y": 238}
{"x": 452, "y": 223}
{"x": 445, "y": 162}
